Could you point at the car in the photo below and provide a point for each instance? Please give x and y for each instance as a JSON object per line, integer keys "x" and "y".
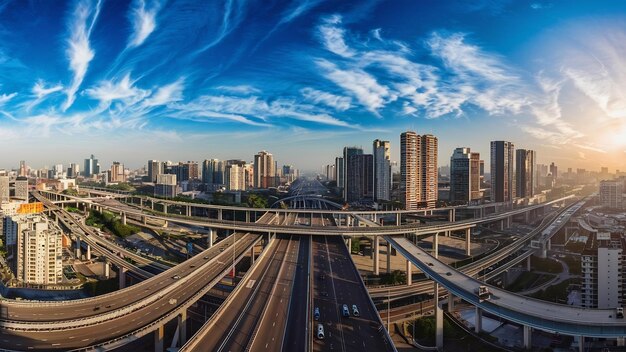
{"x": 95, "y": 309}
{"x": 345, "y": 311}
{"x": 483, "y": 293}
{"x": 619, "y": 313}
{"x": 192, "y": 266}
{"x": 324, "y": 293}
{"x": 176, "y": 277}
{"x": 316, "y": 313}
{"x": 355, "y": 310}
{"x": 431, "y": 264}
{"x": 448, "y": 274}
{"x": 320, "y": 331}
{"x": 322, "y": 276}
{"x": 206, "y": 257}
{"x": 221, "y": 249}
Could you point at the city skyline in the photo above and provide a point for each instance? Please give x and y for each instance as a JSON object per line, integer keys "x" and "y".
{"x": 105, "y": 77}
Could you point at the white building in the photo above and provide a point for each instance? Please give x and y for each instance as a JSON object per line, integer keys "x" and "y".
{"x": 611, "y": 194}
{"x": 602, "y": 265}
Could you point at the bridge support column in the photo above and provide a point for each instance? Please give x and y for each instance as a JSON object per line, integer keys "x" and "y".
{"x": 165, "y": 208}
{"x": 376, "y": 256}
{"x": 398, "y": 219}
{"x": 159, "y": 335}
{"x": 450, "y": 302}
{"x": 188, "y": 210}
{"x": 468, "y": 243}
{"x": 247, "y": 216}
{"x": 528, "y": 334}
{"x": 182, "y": 327}
{"x": 107, "y": 269}
{"x": 438, "y": 318}
{"x": 219, "y": 214}
{"x": 123, "y": 218}
{"x": 478, "y": 322}
{"x": 122, "y": 277}
{"x": 409, "y": 274}
{"x": 349, "y": 244}
{"x": 77, "y": 248}
{"x": 581, "y": 344}
{"x": 527, "y": 216}
{"x": 436, "y": 245}
{"x": 528, "y": 263}
{"x": 452, "y": 215}
{"x": 509, "y": 220}
{"x": 144, "y": 220}
{"x": 209, "y": 238}
{"x": 88, "y": 252}
{"x": 501, "y": 225}
{"x": 388, "y": 257}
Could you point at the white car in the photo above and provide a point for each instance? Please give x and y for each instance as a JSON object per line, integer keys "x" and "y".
{"x": 320, "y": 331}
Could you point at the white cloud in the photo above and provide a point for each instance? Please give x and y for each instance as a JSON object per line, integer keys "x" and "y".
{"x": 4, "y": 98}
{"x": 123, "y": 90}
{"x": 40, "y": 90}
{"x": 172, "y": 92}
{"x": 243, "y": 89}
{"x": 79, "y": 51}
{"x": 333, "y": 36}
{"x": 144, "y": 22}
{"x": 319, "y": 97}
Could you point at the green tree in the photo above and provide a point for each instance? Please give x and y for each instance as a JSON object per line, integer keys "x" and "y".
{"x": 256, "y": 201}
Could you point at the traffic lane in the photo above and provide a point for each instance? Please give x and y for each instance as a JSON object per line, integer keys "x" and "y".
{"x": 270, "y": 330}
{"x": 212, "y": 337}
{"x": 324, "y": 298}
{"x": 251, "y": 318}
{"x": 59, "y": 311}
{"x": 359, "y": 332}
{"x": 89, "y": 335}
{"x": 297, "y": 334}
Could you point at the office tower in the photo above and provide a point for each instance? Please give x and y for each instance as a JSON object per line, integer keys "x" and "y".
{"x": 502, "y": 188}
{"x": 166, "y": 186}
{"x": 4, "y": 189}
{"x": 339, "y": 172}
{"x": 359, "y": 178}
{"x": 602, "y": 264}
{"x": 39, "y": 251}
{"x": 23, "y": 171}
{"x": 186, "y": 171}
{"x": 464, "y": 175}
{"x": 117, "y": 172}
{"x": 330, "y": 172}
{"x": 525, "y": 181}
{"x": 73, "y": 170}
{"x": 235, "y": 177}
{"x": 347, "y": 153}
{"x": 21, "y": 188}
{"x": 555, "y": 172}
{"x": 611, "y": 194}
{"x": 209, "y": 169}
{"x": 382, "y": 170}
{"x": 290, "y": 173}
{"x": 418, "y": 170}
{"x": 264, "y": 170}
{"x": 92, "y": 167}
{"x": 155, "y": 168}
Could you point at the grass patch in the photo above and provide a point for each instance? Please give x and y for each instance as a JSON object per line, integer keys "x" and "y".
{"x": 557, "y": 293}
{"x": 109, "y": 221}
{"x": 528, "y": 280}
{"x": 547, "y": 265}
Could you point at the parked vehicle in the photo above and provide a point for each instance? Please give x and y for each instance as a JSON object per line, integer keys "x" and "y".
{"x": 619, "y": 313}
{"x": 320, "y": 331}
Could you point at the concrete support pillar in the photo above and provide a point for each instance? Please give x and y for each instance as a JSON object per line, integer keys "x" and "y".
{"x": 123, "y": 218}
{"x": 450, "y": 302}
{"x": 436, "y": 245}
{"x": 508, "y": 222}
{"x": 144, "y": 220}
{"x": 159, "y": 335}
{"x": 151, "y": 205}
{"x": 349, "y": 244}
{"x": 88, "y": 252}
{"x": 527, "y": 216}
{"x": 376, "y": 256}
{"x": 247, "y": 216}
{"x": 107, "y": 269}
{"x": 409, "y": 273}
{"x": 188, "y": 210}
{"x": 468, "y": 243}
{"x": 165, "y": 208}
{"x": 209, "y": 238}
{"x": 528, "y": 334}
{"x": 398, "y": 219}
{"x": 219, "y": 214}
{"x": 549, "y": 244}
{"x": 438, "y": 318}
{"x": 478, "y": 323}
{"x": 528, "y": 263}
{"x": 388, "y": 257}
{"x": 451, "y": 215}
{"x": 252, "y": 259}
{"x": 182, "y": 327}
{"x": 77, "y": 247}
{"x": 581, "y": 344}
{"x": 121, "y": 274}
{"x": 501, "y": 225}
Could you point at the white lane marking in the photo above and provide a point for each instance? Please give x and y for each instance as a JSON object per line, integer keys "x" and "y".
{"x": 250, "y": 283}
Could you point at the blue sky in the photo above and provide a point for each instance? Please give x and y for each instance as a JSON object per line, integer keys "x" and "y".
{"x": 190, "y": 80}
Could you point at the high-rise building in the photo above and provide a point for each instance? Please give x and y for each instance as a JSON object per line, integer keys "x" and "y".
{"x": 554, "y": 171}
{"x": 38, "y": 257}
{"x": 347, "y": 153}
{"x": 290, "y": 173}
{"x": 264, "y": 170}
{"x": 235, "y": 177}
{"x": 359, "y": 178}
{"x": 73, "y": 170}
{"x": 184, "y": 171}
{"x": 209, "y": 170}
{"x": 418, "y": 170}
{"x": 92, "y": 167}
{"x": 21, "y": 188}
{"x": 464, "y": 175}
{"x": 23, "y": 171}
{"x": 166, "y": 186}
{"x": 602, "y": 265}
{"x": 155, "y": 168}
{"x": 382, "y": 170}
{"x": 117, "y": 172}
{"x": 612, "y": 194}
{"x": 4, "y": 189}
{"x": 525, "y": 181}
{"x": 330, "y": 172}
{"x": 339, "y": 172}
{"x": 502, "y": 183}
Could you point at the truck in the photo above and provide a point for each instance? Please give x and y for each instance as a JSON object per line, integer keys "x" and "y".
{"x": 483, "y": 293}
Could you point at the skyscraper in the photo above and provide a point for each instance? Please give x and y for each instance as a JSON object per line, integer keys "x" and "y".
{"x": 418, "y": 170}
{"x": 155, "y": 168}
{"x": 21, "y": 188}
{"x": 339, "y": 172}
{"x": 92, "y": 167}
{"x": 73, "y": 170}
{"x": 117, "y": 172}
{"x": 347, "y": 153}
{"x": 264, "y": 170}
{"x": 23, "y": 169}
{"x": 502, "y": 189}
{"x": 166, "y": 186}
{"x": 359, "y": 178}
{"x": 464, "y": 175}
{"x": 382, "y": 170}
{"x": 4, "y": 189}
{"x": 554, "y": 171}
{"x": 525, "y": 166}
